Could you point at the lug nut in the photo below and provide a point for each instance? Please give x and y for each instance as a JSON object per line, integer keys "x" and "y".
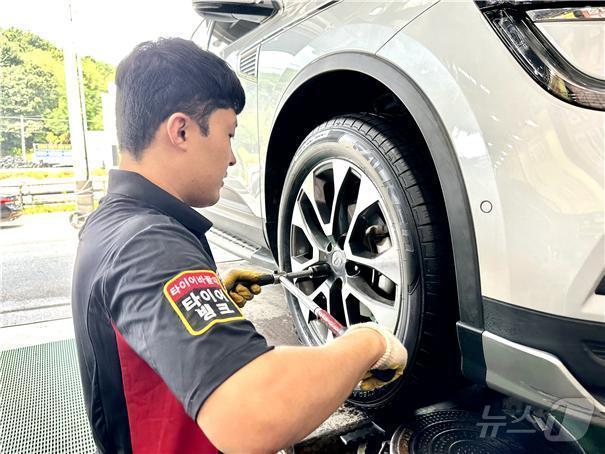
{"x": 352, "y": 269}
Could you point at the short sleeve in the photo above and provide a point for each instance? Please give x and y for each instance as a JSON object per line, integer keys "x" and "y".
{"x": 166, "y": 300}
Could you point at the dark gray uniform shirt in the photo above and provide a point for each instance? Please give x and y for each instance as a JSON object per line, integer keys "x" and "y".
{"x": 156, "y": 331}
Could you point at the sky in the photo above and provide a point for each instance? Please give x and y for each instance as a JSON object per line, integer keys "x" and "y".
{"x": 104, "y": 29}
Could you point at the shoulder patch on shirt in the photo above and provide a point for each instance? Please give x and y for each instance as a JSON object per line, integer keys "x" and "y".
{"x": 200, "y": 300}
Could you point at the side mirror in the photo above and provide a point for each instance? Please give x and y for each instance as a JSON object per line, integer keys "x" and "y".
{"x": 235, "y": 10}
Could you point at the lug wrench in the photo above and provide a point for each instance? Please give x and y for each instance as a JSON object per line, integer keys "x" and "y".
{"x": 315, "y": 271}
{"x": 322, "y": 315}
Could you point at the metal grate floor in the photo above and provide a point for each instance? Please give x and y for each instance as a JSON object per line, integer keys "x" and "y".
{"x": 41, "y": 404}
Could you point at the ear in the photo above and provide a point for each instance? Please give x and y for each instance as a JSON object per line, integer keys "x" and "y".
{"x": 178, "y": 126}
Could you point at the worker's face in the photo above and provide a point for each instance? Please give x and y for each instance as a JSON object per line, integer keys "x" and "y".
{"x": 209, "y": 157}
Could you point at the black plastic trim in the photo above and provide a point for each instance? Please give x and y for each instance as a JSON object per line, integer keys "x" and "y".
{"x": 229, "y": 11}
{"x": 600, "y": 290}
{"x": 444, "y": 157}
{"x": 571, "y": 340}
{"x": 473, "y": 357}
{"x": 485, "y": 5}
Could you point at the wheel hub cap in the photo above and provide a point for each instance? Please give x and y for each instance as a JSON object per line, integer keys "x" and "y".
{"x": 338, "y": 261}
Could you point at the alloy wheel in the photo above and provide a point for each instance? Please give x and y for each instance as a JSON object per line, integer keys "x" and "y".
{"x": 339, "y": 219}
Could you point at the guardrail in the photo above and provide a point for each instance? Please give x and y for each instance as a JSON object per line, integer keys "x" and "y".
{"x": 59, "y": 190}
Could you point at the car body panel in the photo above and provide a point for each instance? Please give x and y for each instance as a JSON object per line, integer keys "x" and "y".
{"x": 299, "y": 33}
{"x": 503, "y": 152}
{"x": 344, "y": 27}
{"x": 516, "y": 369}
{"x": 536, "y": 159}
{"x": 240, "y": 194}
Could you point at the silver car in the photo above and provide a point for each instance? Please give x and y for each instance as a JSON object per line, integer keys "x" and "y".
{"x": 446, "y": 159}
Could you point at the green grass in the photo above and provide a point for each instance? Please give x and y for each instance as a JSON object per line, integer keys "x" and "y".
{"x": 53, "y": 208}
{"x": 99, "y": 172}
{"x": 38, "y": 174}
{"x": 41, "y": 174}
{"x": 49, "y": 208}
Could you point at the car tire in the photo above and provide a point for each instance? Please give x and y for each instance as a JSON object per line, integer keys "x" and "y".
{"x": 405, "y": 284}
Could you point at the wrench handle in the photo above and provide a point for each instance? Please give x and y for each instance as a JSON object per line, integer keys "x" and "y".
{"x": 332, "y": 324}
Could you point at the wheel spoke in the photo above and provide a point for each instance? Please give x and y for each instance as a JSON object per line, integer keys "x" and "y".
{"x": 316, "y": 239}
{"x": 383, "y": 312}
{"x": 308, "y": 188}
{"x": 386, "y": 263}
{"x": 340, "y": 169}
{"x": 306, "y": 313}
{"x": 319, "y": 329}
{"x": 366, "y": 197}
{"x": 300, "y": 265}
{"x": 323, "y": 289}
{"x": 345, "y": 293}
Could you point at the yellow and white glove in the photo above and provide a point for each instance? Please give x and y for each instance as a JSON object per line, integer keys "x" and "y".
{"x": 394, "y": 358}
{"x": 242, "y": 285}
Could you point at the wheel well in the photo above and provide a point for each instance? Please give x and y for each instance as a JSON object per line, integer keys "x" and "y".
{"x": 319, "y": 90}
{"x": 319, "y": 99}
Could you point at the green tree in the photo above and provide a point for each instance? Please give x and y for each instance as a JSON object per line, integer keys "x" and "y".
{"x": 32, "y": 83}
{"x": 27, "y": 90}
{"x": 96, "y": 77}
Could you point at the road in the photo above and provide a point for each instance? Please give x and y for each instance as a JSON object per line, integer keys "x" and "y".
{"x": 36, "y": 263}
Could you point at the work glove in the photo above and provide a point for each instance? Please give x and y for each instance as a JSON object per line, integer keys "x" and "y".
{"x": 391, "y": 364}
{"x": 242, "y": 285}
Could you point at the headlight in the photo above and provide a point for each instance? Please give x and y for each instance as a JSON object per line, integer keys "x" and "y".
{"x": 562, "y": 48}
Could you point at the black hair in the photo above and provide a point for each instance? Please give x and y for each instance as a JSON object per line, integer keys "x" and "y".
{"x": 159, "y": 78}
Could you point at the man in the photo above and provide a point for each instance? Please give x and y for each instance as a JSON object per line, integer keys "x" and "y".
{"x": 167, "y": 360}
